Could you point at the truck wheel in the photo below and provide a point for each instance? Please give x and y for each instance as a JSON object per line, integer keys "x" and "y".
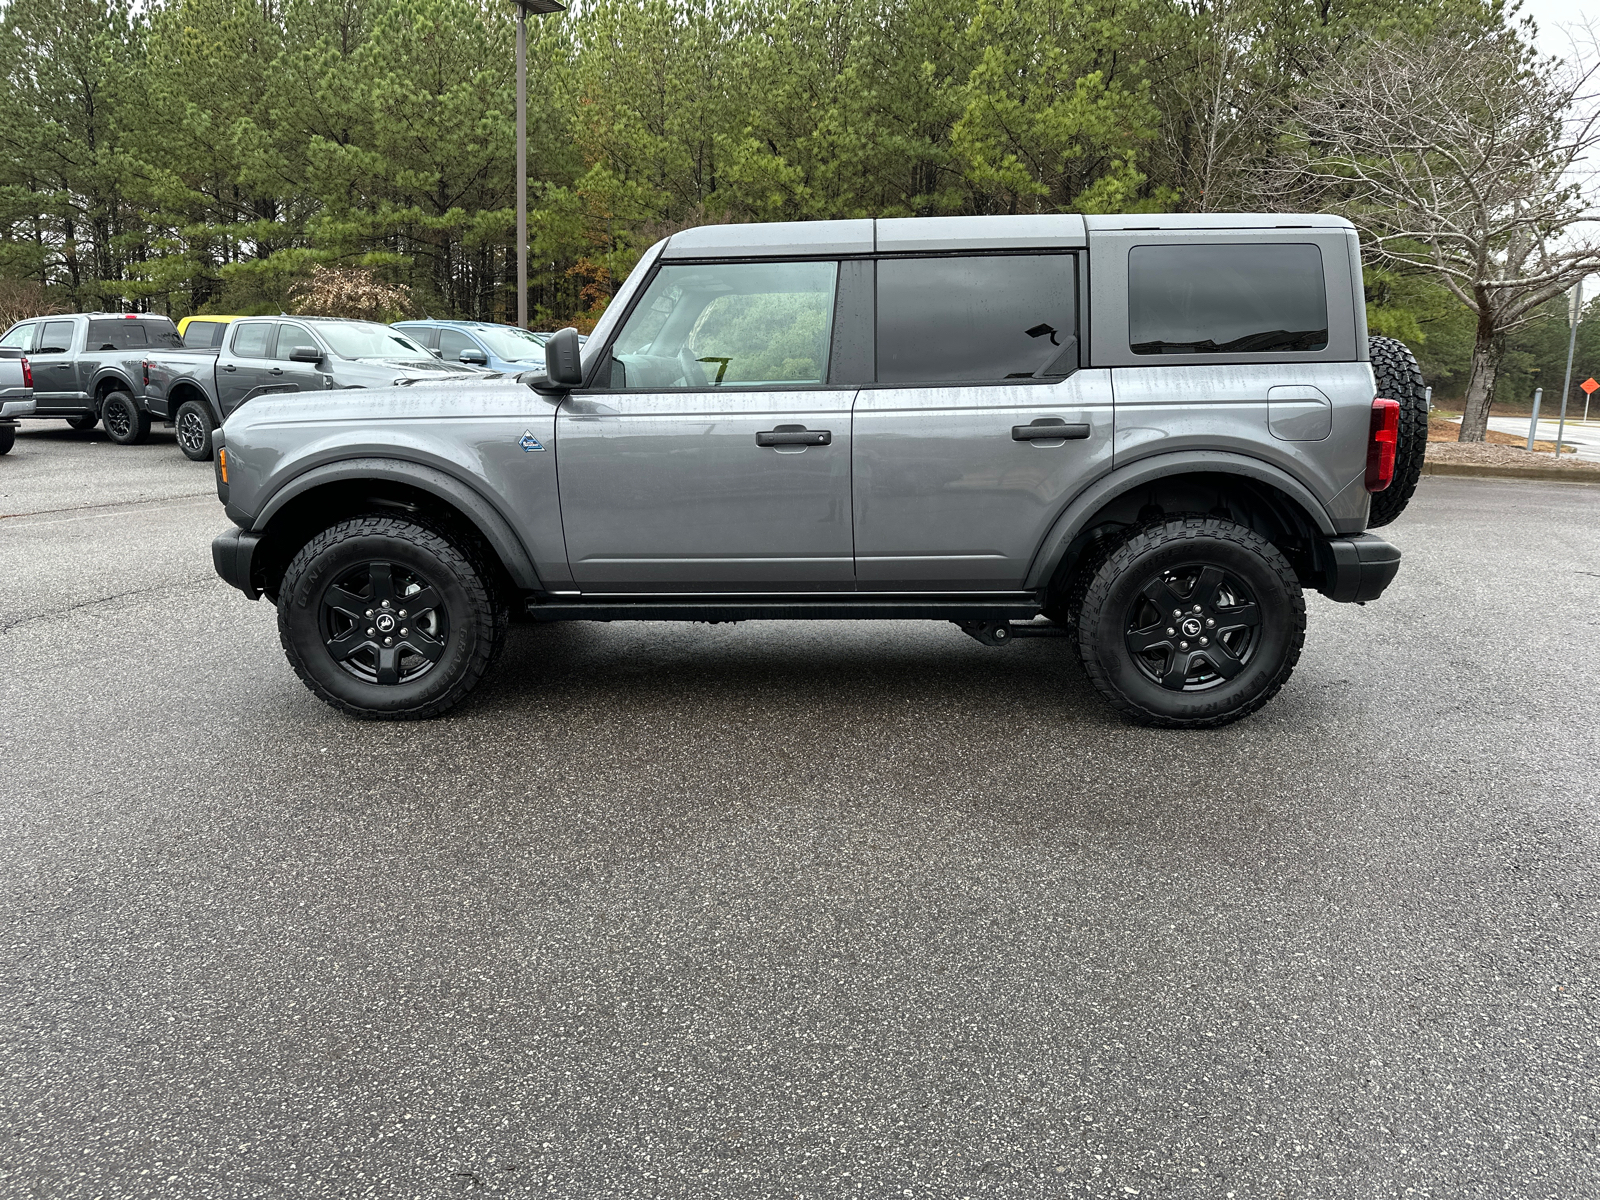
{"x": 194, "y": 430}
{"x": 126, "y": 424}
{"x": 84, "y": 423}
{"x": 8, "y": 438}
{"x": 1191, "y": 622}
{"x": 387, "y": 618}
{"x": 1399, "y": 378}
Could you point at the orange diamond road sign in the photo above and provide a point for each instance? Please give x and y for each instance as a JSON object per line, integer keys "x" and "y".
{"x": 1590, "y": 386}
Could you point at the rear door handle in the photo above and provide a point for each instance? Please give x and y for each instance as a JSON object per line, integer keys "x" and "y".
{"x": 275, "y": 370}
{"x": 229, "y": 367}
{"x": 1048, "y": 429}
{"x": 795, "y": 435}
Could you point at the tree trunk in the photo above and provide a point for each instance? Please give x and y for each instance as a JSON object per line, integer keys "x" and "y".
{"x": 1487, "y": 351}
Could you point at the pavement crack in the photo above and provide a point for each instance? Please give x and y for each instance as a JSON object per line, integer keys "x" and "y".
{"x": 142, "y": 502}
{"x": 8, "y": 626}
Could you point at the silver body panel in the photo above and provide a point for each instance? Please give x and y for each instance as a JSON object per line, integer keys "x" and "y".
{"x": 947, "y": 500}
{"x": 669, "y": 491}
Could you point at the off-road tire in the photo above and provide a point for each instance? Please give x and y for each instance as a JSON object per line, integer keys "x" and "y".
{"x": 126, "y": 423}
{"x": 193, "y": 426}
{"x": 476, "y": 617}
{"x": 8, "y": 438}
{"x": 1116, "y": 589}
{"x": 1399, "y": 378}
{"x": 84, "y": 423}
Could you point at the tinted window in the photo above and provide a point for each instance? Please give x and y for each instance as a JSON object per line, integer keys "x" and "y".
{"x": 253, "y": 340}
{"x": 729, "y": 324}
{"x": 20, "y": 338}
{"x": 55, "y": 337}
{"x": 452, "y": 342}
{"x": 426, "y": 335}
{"x": 290, "y": 336}
{"x": 1232, "y": 299}
{"x": 943, "y": 320}
{"x": 160, "y": 333}
{"x": 203, "y": 334}
{"x": 103, "y": 335}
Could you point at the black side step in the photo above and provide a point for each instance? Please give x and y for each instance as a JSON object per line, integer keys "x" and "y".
{"x": 788, "y": 608}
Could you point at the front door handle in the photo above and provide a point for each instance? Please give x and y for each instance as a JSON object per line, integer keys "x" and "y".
{"x": 1049, "y": 429}
{"x": 275, "y": 370}
{"x": 795, "y": 435}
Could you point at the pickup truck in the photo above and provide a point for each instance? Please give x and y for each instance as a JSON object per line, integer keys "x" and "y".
{"x": 16, "y": 395}
{"x": 197, "y": 389}
{"x": 1154, "y": 432}
{"x": 87, "y": 366}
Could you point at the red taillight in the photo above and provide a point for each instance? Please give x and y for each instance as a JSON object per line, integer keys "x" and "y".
{"x": 27, "y": 374}
{"x": 1381, "y": 444}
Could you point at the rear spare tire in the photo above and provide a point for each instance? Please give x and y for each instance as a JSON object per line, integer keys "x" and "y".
{"x": 126, "y": 423}
{"x": 1398, "y": 377}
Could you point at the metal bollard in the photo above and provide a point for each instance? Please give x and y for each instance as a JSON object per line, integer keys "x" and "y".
{"x": 1533, "y": 425}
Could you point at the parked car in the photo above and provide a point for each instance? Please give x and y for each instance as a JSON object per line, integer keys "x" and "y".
{"x": 16, "y": 395}
{"x": 197, "y": 389}
{"x": 86, "y": 366}
{"x": 479, "y": 343}
{"x": 204, "y": 332}
{"x": 1153, "y": 431}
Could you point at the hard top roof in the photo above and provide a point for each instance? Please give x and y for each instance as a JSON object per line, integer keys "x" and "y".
{"x": 890, "y": 235}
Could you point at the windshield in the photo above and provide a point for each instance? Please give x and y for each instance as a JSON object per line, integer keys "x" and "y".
{"x": 368, "y": 339}
{"x": 513, "y": 345}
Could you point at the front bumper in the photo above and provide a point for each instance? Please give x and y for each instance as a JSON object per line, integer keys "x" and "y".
{"x": 1357, "y": 568}
{"x": 233, "y": 554}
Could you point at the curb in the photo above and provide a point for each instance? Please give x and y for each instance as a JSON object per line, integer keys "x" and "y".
{"x": 1540, "y": 474}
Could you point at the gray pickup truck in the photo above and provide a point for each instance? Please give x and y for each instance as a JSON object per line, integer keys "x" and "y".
{"x": 1153, "y": 432}
{"x": 16, "y": 394}
{"x": 88, "y": 366}
{"x": 196, "y": 389}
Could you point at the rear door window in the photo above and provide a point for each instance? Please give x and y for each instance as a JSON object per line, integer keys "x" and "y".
{"x": 1247, "y": 298}
{"x": 55, "y": 337}
{"x": 253, "y": 340}
{"x": 202, "y": 335}
{"x": 20, "y": 338}
{"x": 978, "y": 318}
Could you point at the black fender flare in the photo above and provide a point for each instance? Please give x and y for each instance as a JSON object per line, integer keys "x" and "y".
{"x": 485, "y": 517}
{"x": 114, "y": 376}
{"x": 1076, "y": 516}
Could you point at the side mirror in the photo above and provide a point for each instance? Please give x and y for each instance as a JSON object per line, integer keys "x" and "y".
{"x": 563, "y": 358}
{"x": 305, "y": 354}
{"x": 476, "y": 357}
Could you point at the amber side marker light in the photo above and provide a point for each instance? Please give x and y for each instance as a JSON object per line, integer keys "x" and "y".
{"x": 222, "y": 465}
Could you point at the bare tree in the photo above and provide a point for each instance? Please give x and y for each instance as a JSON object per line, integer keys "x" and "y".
{"x": 1462, "y": 153}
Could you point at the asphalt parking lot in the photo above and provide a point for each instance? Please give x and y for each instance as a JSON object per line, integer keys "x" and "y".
{"x": 765, "y": 910}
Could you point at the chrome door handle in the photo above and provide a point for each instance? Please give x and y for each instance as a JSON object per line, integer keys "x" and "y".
{"x": 795, "y": 435}
{"x": 1049, "y": 429}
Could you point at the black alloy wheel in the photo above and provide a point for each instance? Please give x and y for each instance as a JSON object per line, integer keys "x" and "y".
{"x": 1192, "y": 627}
{"x": 1189, "y": 622}
{"x": 126, "y": 424}
{"x": 388, "y": 617}
{"x": 384, "y": 623}
{"x": 194, "y": 427}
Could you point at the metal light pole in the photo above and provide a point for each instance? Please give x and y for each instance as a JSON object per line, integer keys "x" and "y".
{"x": 1572, "y": 344}
{"x": 524, "y": 7}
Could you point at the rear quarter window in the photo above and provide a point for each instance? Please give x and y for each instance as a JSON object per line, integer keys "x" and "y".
{"x": 1246, "y": 298}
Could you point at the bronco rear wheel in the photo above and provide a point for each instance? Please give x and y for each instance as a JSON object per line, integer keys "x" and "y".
{"x": 386, "y": 617}
{"x": 1191, "y": 622}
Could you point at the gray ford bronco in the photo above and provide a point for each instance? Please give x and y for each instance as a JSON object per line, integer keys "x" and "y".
{"x": 1148, "y": 434}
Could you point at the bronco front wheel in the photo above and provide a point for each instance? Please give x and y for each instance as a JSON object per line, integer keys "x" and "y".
{"x": 387, "y": 618}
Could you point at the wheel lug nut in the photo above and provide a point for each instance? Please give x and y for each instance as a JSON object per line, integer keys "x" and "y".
{"x": 1197, "y": 608}
{"x": 1204, "y": 642}
{"x": 388, "y": 641}
{"x": 403, "y": 631}
{"x": 371, "y": 631}
{"x": 369, "y": 612}
{"x": 1177, "y": 612}
{"x": 386, "y": 605}
{"x": 1183, "y": 645}
{"x": 1209, "y": 622}
{"x": 1171, "y": 631}
{"x": 402, "y": 612}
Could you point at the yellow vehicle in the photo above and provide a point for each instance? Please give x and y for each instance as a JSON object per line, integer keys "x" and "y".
{"x": 207, "y": 330}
